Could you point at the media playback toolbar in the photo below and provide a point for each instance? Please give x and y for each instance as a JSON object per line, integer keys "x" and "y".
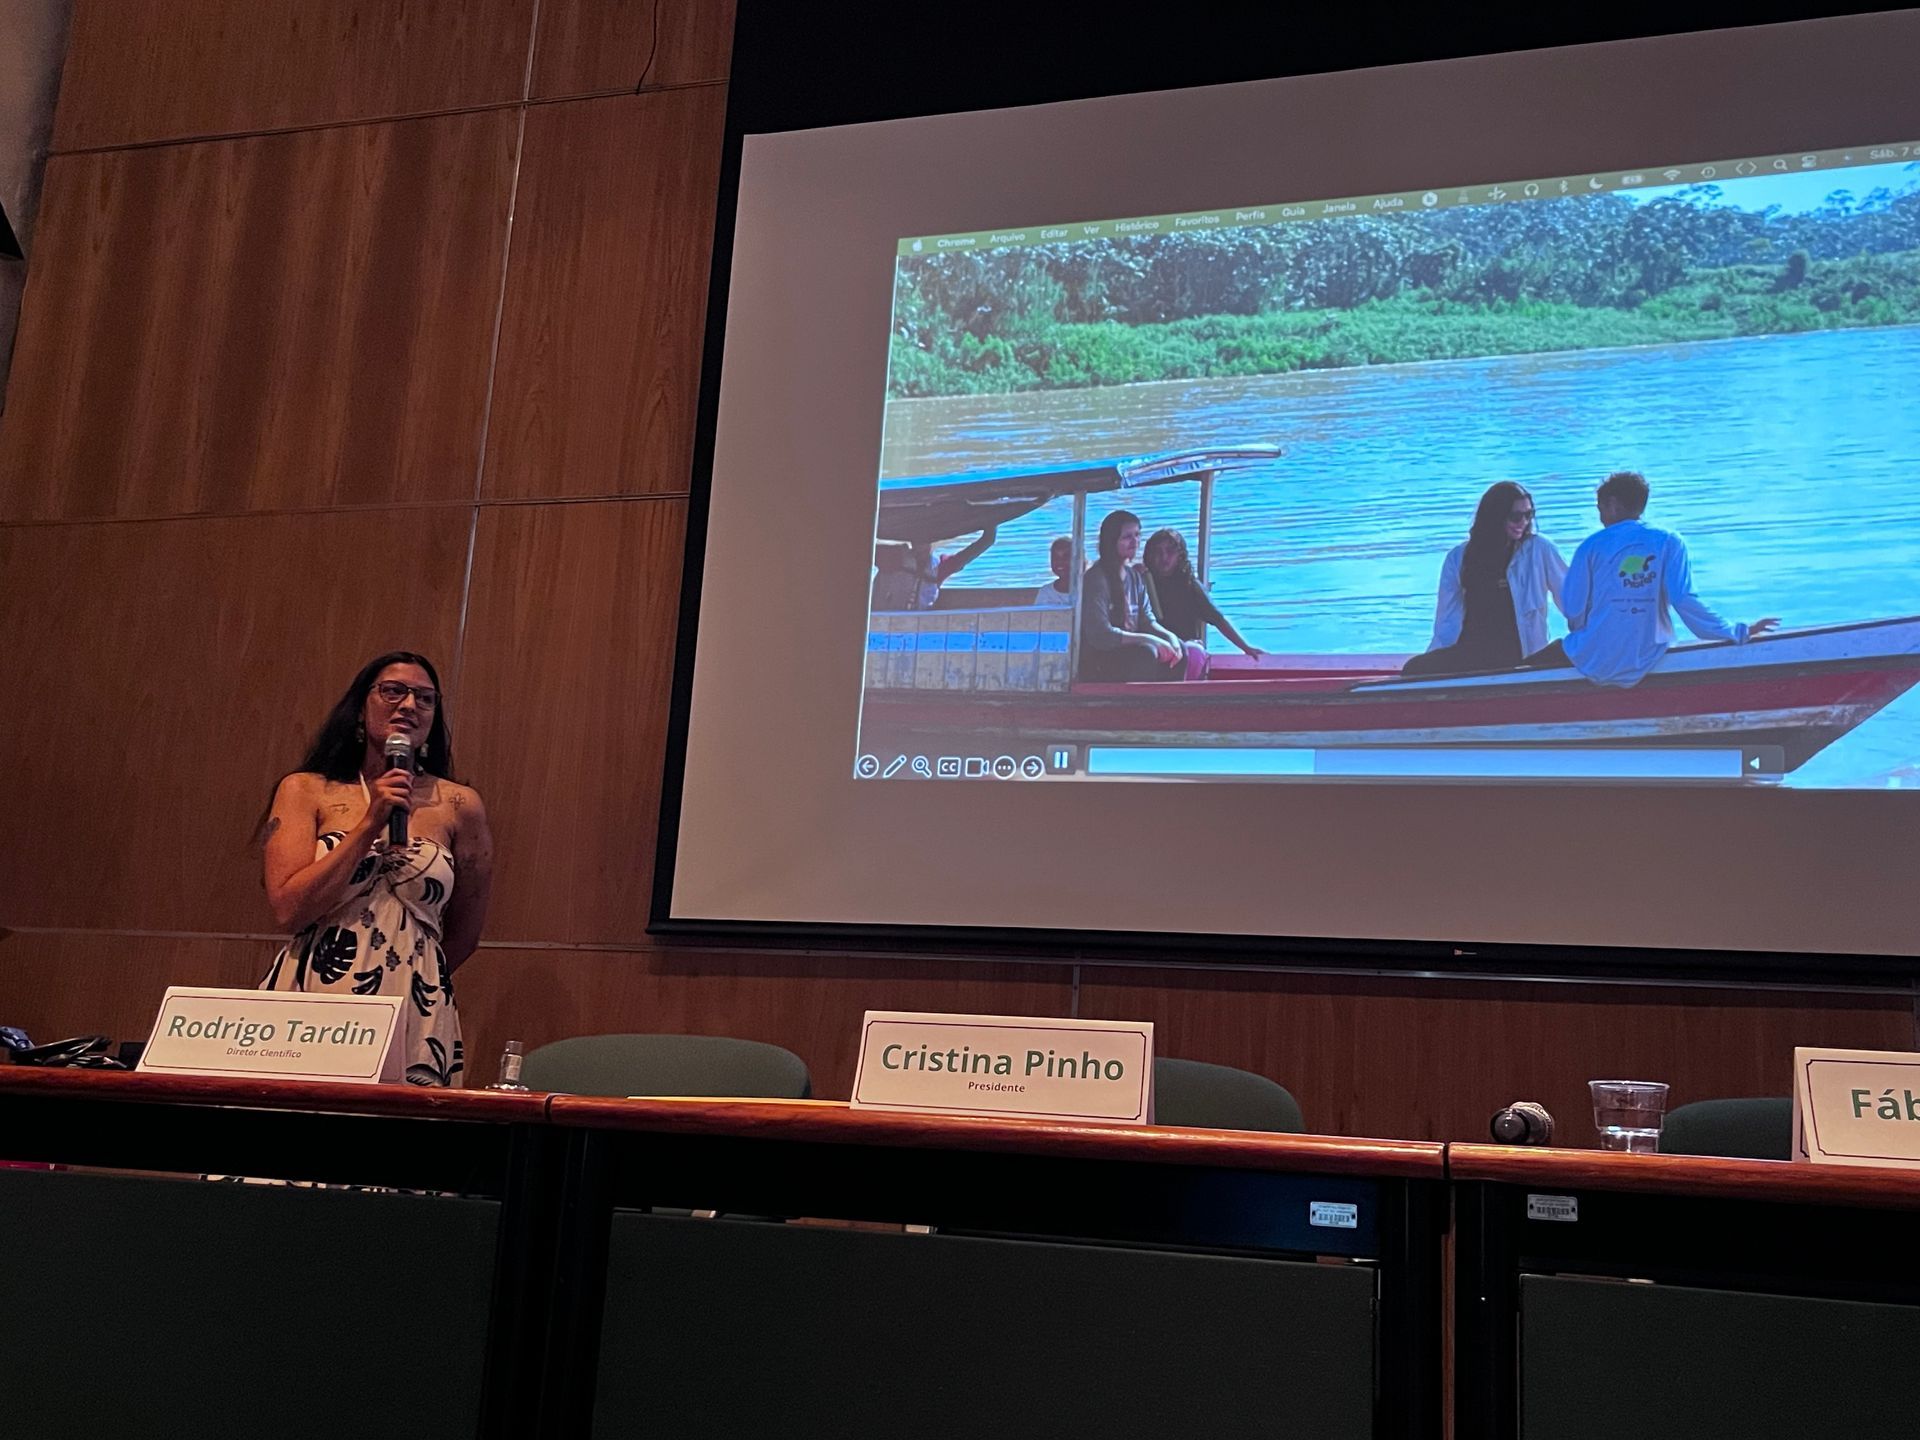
{"x": 1630, "y": 763}
{"x": 1037, "y": 765}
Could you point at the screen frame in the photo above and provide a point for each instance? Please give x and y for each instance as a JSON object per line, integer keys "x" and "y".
{"x": 771, "y": 46}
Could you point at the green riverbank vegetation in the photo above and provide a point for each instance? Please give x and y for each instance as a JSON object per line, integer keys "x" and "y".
{"x": 1565, "y": 274}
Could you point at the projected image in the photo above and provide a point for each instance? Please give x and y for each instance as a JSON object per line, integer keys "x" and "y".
{"x": 1584, "y": 478}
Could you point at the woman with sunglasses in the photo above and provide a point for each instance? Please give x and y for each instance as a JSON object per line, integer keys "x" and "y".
{"x": 369, "y": 917}
{"x": 1492, "y": 608}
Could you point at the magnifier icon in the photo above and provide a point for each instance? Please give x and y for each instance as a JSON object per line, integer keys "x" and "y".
{"x": 921, "y": 767}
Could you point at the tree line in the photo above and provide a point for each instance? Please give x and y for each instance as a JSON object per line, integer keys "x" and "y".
{"x": 1043, "y": 316}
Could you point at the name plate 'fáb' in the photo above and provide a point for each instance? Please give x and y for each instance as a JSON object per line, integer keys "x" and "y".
{"x": 283, "y": 1034}
{"x": 1856, "y": 1107}
{"x": 1006, "y": 1065}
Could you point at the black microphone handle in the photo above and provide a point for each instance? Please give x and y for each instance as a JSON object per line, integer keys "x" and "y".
{"x": 397, "y": 818}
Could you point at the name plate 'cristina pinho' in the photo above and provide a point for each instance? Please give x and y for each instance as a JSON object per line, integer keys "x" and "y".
{"x": 1006, "y": 1065}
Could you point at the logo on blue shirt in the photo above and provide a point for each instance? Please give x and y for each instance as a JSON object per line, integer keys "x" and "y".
{"x": 1637, "y": 572}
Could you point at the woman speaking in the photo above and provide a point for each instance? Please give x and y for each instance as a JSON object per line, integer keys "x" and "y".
{"x": 369, "y": 917}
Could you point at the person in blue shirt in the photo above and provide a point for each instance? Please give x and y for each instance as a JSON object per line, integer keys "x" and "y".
{"x": 1618, "y": 590}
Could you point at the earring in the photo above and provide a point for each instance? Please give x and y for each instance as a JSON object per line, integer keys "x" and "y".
{"x": 423, "y": 752}
{"x": 360, "y": 732}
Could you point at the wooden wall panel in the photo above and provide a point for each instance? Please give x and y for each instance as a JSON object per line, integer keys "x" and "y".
{"x": 285, "y": 321}
{"x": 810, "y": 1004}
{"x": 569, "y": 660}
{"x": 600, "y": 344}
{"x": 594, "y": 45}
{"x": 13, "y": 281}
{"x": 1433, "y": 1060}
{"x": 159, "y": 678}
{"x": 145, "y": 70}
{"x": 56, "y": 986}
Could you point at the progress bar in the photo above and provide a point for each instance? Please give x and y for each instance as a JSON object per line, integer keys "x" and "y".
{"x": 1436, "y": 763}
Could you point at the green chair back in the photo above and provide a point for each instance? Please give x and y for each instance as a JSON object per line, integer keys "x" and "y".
{"x": 689, "y": 1065}
{"x": 1755, "y": 1129}
{"x": 1219, "y": 1097}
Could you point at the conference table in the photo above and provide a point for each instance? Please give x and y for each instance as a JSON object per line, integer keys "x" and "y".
{"x": 462, "y": 1263}
{"x": 403, "y": 1299}
{"x": 1667, "y": 1297}
{"x": 228, "y": 1257}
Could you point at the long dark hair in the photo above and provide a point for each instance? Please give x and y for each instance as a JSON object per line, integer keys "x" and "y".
{"x": 1489, "y": 551}
{"x": 341, "y": 744}
{"x": 1182, "y": 562}
{"x": 1110, "y": 564}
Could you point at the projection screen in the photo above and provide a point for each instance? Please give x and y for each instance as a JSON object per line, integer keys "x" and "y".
{"x": 1189, "y": 513}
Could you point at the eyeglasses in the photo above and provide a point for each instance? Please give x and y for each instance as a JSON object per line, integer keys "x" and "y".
{"x": 394, "y": 692}
{"x": 1520, "y": 517}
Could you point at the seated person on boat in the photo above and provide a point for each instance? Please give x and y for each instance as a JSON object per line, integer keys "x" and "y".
{"x": 1059, "y": 590}
{"x": 1492, "y": 608}
{"x": 1179, "y": 599}
{"x": 907, "y": 576}
{"x": 1619, "y": 586}
{"x": 1120, "y": 637}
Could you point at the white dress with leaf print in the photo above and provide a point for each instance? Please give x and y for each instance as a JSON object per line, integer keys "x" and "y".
{"x": 384, "y": 939}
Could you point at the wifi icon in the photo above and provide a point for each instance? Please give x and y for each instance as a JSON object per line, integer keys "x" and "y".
{"x": 1671, "y": 174}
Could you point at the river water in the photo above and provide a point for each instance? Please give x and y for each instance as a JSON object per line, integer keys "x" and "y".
{"x": 1790, "y": 463}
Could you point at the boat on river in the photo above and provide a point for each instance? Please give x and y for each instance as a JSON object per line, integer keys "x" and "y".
{"x": 987, "y": 662}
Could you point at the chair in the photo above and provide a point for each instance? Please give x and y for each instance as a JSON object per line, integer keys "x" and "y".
{"x": 689, "y": 1065}
{"x": 1756, "y": 1129}
{"x": 1219, "y": 1097}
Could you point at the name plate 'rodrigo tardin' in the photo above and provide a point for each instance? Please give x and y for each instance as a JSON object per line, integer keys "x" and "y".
{"x": 1006, "y": 1065}
{"x": 283, "y": 1034}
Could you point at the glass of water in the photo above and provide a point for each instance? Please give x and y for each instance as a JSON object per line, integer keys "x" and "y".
{"x": 1628, "y": 1113}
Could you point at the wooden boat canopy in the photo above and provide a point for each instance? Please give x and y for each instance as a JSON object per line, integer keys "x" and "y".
{"x": 930, "y": 508}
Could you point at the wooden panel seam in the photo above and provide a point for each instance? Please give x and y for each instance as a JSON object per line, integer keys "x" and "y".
{"x": 461, "y": 503}
{"x": 144, "y": 70}
{"x": 358, "y": 122}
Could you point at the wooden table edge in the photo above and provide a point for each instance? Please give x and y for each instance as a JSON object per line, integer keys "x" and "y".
{"x": 1688, "y": 1175}
{"x": 837, "y": 1123}
{"x": 347, "y": 1098}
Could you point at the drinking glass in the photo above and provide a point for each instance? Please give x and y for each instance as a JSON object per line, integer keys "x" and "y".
{"x": 1627, "y": 1113}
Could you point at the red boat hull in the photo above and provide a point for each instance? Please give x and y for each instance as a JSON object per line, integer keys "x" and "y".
{"x": 1801, "y": 708}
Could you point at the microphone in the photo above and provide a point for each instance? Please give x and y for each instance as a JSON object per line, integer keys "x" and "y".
{"x": 399, "y": 757}
{"x": 1525, "y": 1122}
